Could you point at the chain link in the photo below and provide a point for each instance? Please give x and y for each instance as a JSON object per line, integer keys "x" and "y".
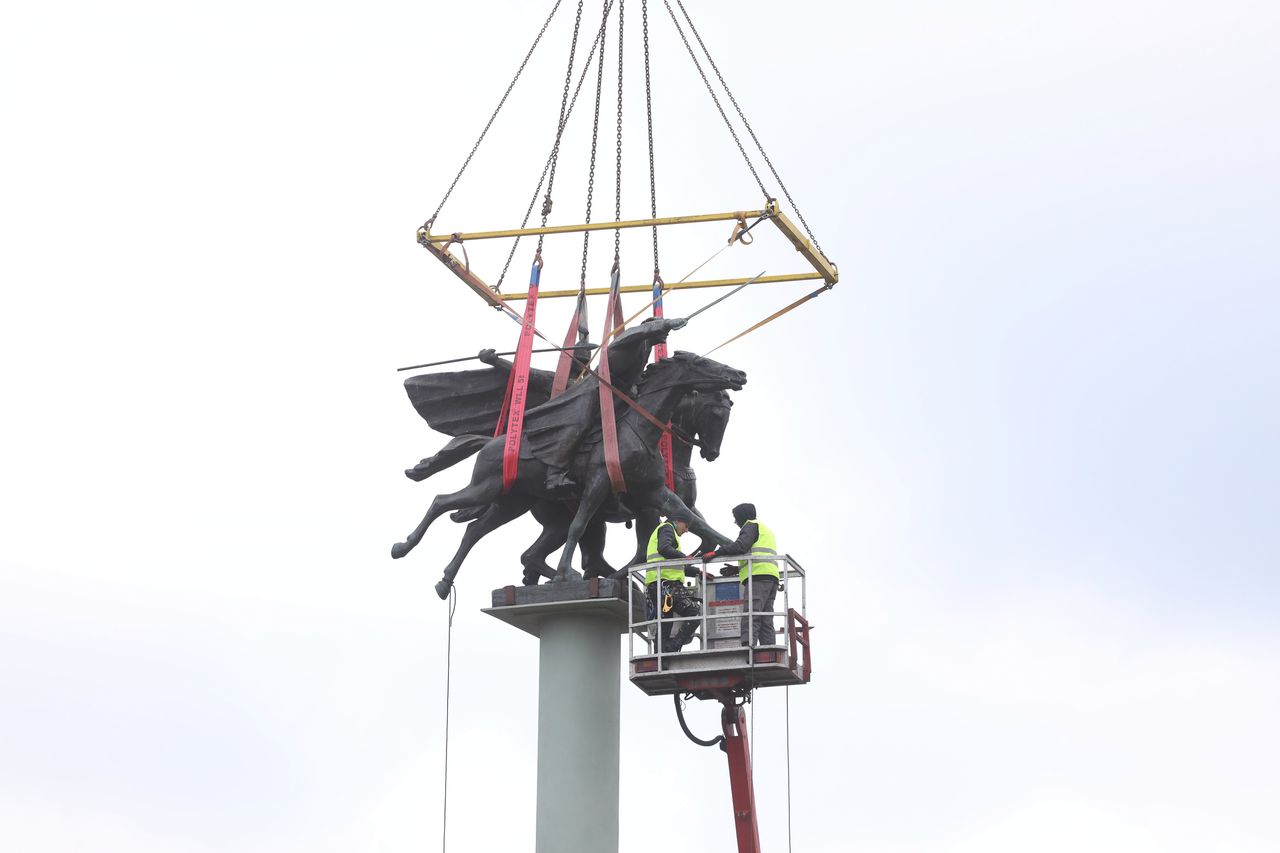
{"x": 617, "y": 183}
{"x": 747, "y": 125}
{"x": 714, "y": 98}
{"x": 648, "y": 109}
{"x": 496, "y": 110}
{"x": 538, "y": 189}
{"x": 595, "y": 138}
{"x": 564, "y": 117}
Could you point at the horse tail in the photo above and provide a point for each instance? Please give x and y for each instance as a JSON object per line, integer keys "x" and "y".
{"x": 451, "y": 454}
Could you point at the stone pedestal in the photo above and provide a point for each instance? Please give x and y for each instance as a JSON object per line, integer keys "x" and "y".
{"x": 578, "y": 624}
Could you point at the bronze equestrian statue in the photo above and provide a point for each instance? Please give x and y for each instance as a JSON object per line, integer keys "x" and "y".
{"x": 660, "y": 391}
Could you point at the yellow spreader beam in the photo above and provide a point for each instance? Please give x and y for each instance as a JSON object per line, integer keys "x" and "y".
{"x": 438, "y": 245}
{"x": 684, "y": 285}
{"x": 594, "y": 226}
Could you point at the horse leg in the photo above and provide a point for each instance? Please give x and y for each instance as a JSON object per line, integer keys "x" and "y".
{"x": 510, "y": 507}
{"x": 646, "y": 521}
{"x": 592, "y": 496}
{"x": 480, "y": 491}
{"x": 687, "y": 487}
{"x": 669, "y": 503}
{"x": 554, "y": 519}
{"x": 697, "y": 514}
{"x": 594, "y": 565}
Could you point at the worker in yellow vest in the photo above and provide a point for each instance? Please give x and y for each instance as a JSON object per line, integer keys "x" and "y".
{"x": 759, "y": 577}
{"x": 665, "y": 586}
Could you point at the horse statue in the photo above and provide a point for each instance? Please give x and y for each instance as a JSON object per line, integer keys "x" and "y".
{"x": 660, "y": 391}
{"x": 702, "y": 416}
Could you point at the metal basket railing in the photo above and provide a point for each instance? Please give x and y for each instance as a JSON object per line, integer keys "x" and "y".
{"x": 649, "y": 630}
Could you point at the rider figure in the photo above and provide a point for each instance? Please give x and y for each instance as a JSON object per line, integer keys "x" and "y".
{"x": 557, "y": 428}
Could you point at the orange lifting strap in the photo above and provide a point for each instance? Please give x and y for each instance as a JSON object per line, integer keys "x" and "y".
{"x": 659, "y": 353}
{"x": 608, "y": 424}
{"x": 518, "y": 383}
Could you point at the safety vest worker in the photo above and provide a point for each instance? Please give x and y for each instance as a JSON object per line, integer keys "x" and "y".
{"x": 664, "y": 544}
{"x": 754, "y": 538}
{"x": 760, "y": 578}
{"x": 764, "y": 546}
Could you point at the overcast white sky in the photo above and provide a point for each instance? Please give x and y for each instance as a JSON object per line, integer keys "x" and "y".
{"x": 1026, "y": 448}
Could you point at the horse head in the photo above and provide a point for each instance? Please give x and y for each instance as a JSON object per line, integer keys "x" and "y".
{"x": 695, "y": 371}
{"x": 668, "y": 386}
{"x": 708, "y": 418}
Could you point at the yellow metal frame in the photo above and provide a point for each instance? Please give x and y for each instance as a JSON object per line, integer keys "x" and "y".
{"x": 438, "y": 245}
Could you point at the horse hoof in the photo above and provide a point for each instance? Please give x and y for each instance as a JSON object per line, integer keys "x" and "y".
{"x": 399, "y": 549}
{"x": 443, "y": 587}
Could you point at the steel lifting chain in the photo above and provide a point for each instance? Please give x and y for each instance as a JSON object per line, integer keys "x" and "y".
{"x": 617, "y": 184}
{"x": 547, "y": 166}
{"x": 595, "y": 138}
{"x": 747, "y": 124}
{"x": 716, "y": 99}
{"x": 648, "y": 109}
{"x": 496, "y": 110}
{"x": 564, "y": 117}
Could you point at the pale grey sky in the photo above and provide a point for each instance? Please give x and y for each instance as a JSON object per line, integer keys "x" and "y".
{"x": 1043, "y": 542}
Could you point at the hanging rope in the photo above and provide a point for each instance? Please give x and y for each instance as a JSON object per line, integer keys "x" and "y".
{"x": 775, "y": 315}
{"x": 713, "y": 303}
{"x": 448, "y": 679}
{"x": 693, "y": 29}
{"x": 788, "y": 706}
{"x": 496, "y": 110}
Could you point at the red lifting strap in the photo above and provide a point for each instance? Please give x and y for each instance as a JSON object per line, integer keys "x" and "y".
{"x": 578, "y": 330}
{"x": 659, "y": 353}
{"x": 608, "y": 424}
{"x": 518, "y": 382}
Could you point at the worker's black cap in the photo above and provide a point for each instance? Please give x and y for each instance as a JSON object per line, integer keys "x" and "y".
{"x": 742, "y": 513}
{"x": 680, "y": 516}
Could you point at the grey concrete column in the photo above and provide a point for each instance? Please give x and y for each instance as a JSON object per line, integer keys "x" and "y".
{"x": 578, "y": 625}
{"x": 579, "y": 677}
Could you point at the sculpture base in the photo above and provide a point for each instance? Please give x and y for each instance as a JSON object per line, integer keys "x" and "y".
{"x": 528, "y": 607}
{"x": 579, "y": 683}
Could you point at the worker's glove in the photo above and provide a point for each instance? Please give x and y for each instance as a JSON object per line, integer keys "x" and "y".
{"x": 728, "y": 571}
{"x": 708, "y": 556}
